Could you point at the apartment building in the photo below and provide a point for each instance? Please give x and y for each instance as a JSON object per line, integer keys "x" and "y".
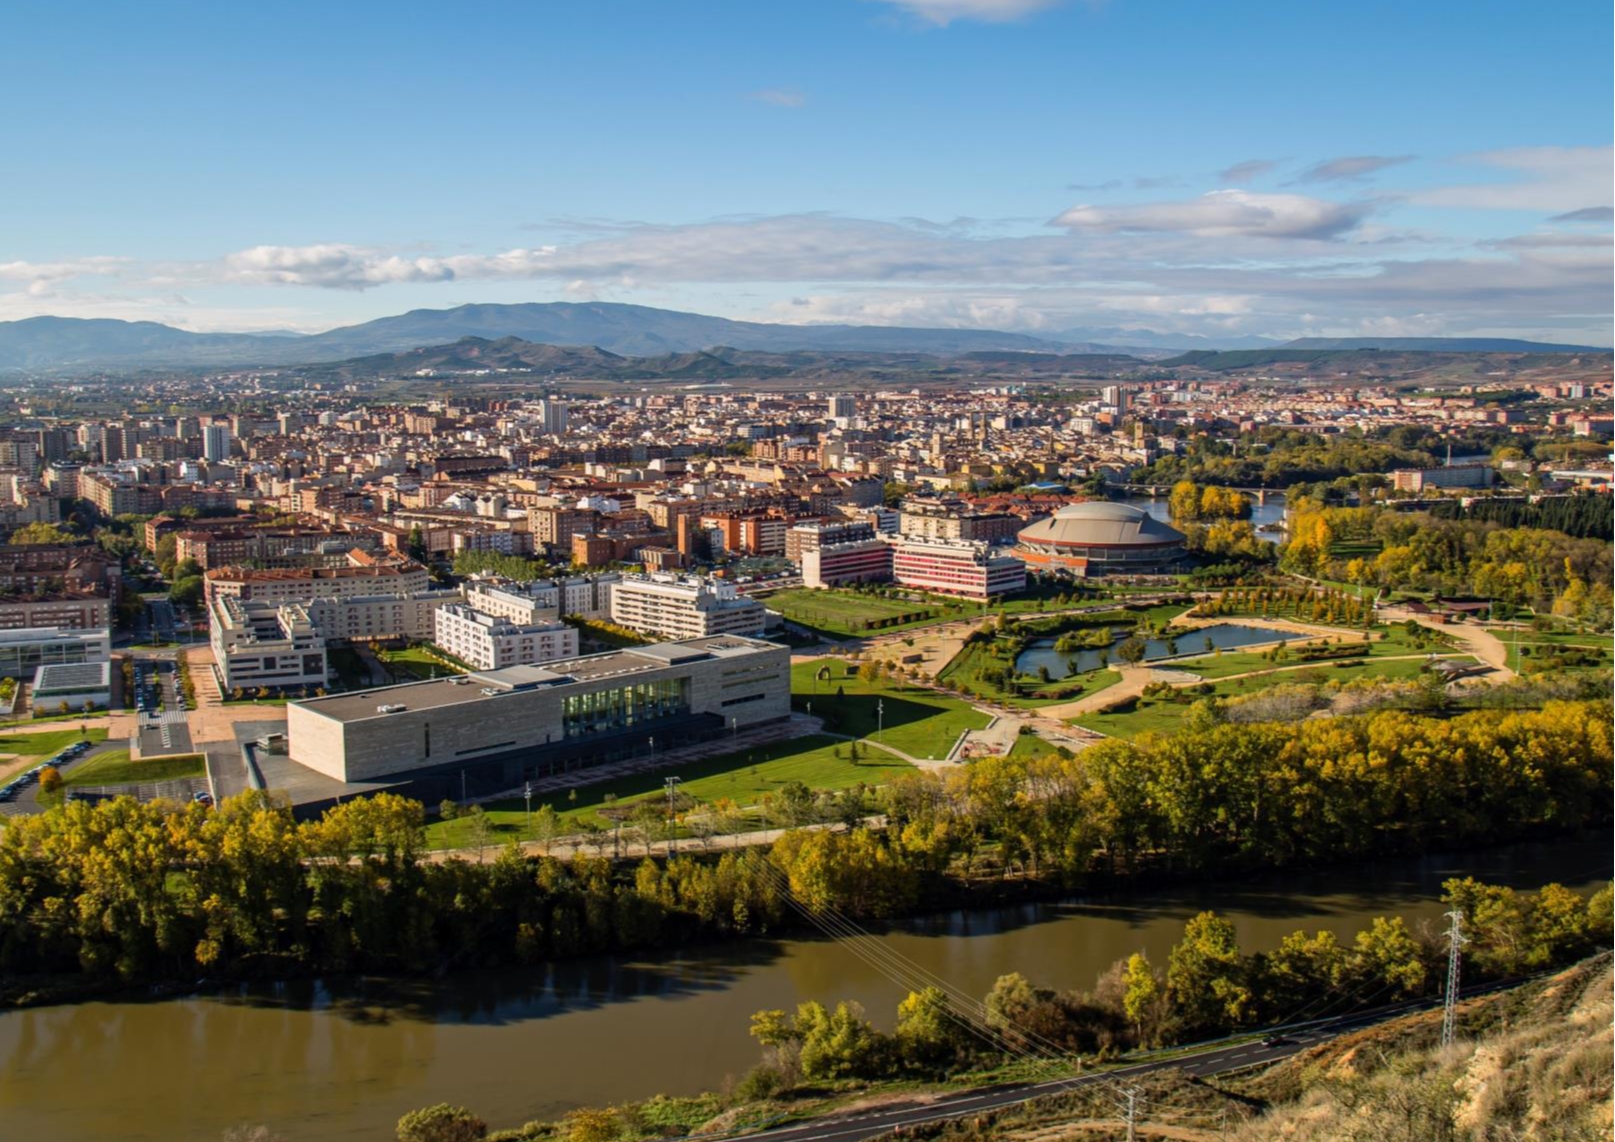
{"x": 261, "y": 644}
{"x": 69, "y": 612}
{"x": 492, "y": 642}
{"x": 1455, "y": 476}
{"x": 372, "y": 618}
{"x": 684, "y": 606}
{"x": 300, "y": 584}
{"x": 956, "y": 567}
{"x": 867, "y": 560}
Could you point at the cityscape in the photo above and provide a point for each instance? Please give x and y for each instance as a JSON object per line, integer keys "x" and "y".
{"x": 819, "y": 674}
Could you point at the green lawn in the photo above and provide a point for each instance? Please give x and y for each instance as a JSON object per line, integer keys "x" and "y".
{"x": 1162, "y": 715}
{"x": 413, "y": 663}
{"x": 34, "y": 746}
{"x": 742, "y": 777}
{"x": 115, "y": 767}
{"x": 1532, "y": 649}
{"x": 843, "y": 614}
{"x": 916, "y": 720}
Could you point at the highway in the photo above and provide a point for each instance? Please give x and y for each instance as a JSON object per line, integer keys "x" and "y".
{"x": 1200, "y": 1064}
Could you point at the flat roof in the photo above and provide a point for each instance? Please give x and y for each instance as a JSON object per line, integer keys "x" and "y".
{"x": 473, "y": 687}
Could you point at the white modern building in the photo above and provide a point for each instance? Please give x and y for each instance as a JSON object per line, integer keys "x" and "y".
{"x": 216, "y": 443}
{"x": 684, "y": 606}
{"x": 372, "y": 618}
{"x": 587, "y": 596}
{"x": 258, "y": 644}
{"x": 78, "y": 684}
{"x": 492, "y": 642}
{"x": 23, "y": 652}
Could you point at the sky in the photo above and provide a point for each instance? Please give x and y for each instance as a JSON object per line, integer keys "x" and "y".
{"x": 1245, "y": 167}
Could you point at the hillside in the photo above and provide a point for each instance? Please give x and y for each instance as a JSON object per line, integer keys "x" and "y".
{"x": 1530, "y": 1065}
{"x": 515, "y": 357}
{"x": 1374, "y": 364}
{"x": 1439, "y": 345}
{"x": 61, "y": 344}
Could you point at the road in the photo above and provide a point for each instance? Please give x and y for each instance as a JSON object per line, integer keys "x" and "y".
{"x": 1212, "y": 1061}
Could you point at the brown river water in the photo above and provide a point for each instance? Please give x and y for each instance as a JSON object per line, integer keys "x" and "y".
{"x": 342, "y": 1061}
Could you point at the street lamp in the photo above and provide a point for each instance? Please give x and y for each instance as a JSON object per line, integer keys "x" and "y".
{"x": 880, "y": 720}
{"x": 672, "y": 787}
{"x": 527, "y": 792}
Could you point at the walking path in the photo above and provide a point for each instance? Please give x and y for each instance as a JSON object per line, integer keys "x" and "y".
{"x": 1482, "y": 643}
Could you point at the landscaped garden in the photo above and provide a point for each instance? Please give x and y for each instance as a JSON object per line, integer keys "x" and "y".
{"x": 416, "y": 662}
{"x": 859, "y": 701}
{"x": 19, "y": 751}
{"x": 841, "y": 614}
{"x": 745, "y": 781}
{"x": 1163, "y": 710}
{"x": 116, "y": 767}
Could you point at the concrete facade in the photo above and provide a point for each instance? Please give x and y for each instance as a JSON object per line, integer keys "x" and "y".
{"x": 489, "y": 731}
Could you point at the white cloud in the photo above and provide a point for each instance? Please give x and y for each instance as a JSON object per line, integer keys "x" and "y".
{"x": 1223, "y": 213}
{"x": 1247, "y": 170}
{"x": 944, "y": 12}
{"x": 1352, "y": 168}
{"x": 779, "y": 97}
{"x": 1544, "y": 178}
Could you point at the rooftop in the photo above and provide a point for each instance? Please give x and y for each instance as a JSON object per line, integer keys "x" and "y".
{"x": 488, "y": 685}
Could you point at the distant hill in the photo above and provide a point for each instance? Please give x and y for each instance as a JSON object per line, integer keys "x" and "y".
{"x": 62, "y": 344}
{"x": 1438, "y": 345}
{"x": 513, "y": 355}
{"x": 1387, "y": 360}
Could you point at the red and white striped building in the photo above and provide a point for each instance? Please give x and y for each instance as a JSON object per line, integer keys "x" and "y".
{"x": 956, "y": 567}
{"x": 856, "y": 561}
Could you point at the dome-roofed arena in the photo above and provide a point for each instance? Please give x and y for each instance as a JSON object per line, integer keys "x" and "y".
{"x": 1100, "y": 538}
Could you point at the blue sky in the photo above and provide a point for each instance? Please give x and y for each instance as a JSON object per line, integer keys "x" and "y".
{"x": 1227, "y": 168}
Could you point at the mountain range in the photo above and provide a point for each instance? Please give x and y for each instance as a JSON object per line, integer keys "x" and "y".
{"x": 721, "y": 363}
{"x": 67, "y": 345}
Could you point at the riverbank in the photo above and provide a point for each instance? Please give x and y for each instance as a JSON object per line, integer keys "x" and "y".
{"x": 339, "y": 1059}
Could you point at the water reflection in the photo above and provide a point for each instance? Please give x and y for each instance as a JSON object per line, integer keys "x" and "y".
{"x": 1203, "y": 640}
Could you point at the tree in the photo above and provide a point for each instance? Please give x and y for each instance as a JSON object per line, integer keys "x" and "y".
{"x": 1139, "y": 991}
{"x": 927, "y": 1030}
{"x": 441, "y": 1123}
{"x": 1132, "y": 650}
{"x": 1205, "y": 977}
{"x": 33, "y": 534}
{"x": 50, "y": 779}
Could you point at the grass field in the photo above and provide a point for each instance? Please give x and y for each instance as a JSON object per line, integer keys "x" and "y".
{"x": 742, "y": 777}
{"x": 1162, "y": 715}
{"x": 413, "y": 663}
{"x": 845, "y": 614}
{"x": 916, "y": 720}
{"x": 31, "y": 747}
{"x": 115, "y": 767}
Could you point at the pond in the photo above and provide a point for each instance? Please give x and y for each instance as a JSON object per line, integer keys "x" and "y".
{"x": 1272, "y": 512}
{"x": 1221, "y": 636}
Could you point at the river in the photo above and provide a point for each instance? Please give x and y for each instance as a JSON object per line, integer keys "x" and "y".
{"x": 342, "y": 1063}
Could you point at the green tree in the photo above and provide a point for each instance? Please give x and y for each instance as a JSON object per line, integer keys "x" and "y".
{"x": 1131, "y": 650}
{"x": 1206, "y": 977}
{"x": 1139, "y": 991}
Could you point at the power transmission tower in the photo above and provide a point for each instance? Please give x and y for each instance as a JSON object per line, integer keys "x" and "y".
{"x": 1455, "y": 941}
{"x": 1132, "y": 1113}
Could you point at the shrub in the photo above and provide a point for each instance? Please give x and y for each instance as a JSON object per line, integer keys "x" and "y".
{"x": 441, "y": 1123}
